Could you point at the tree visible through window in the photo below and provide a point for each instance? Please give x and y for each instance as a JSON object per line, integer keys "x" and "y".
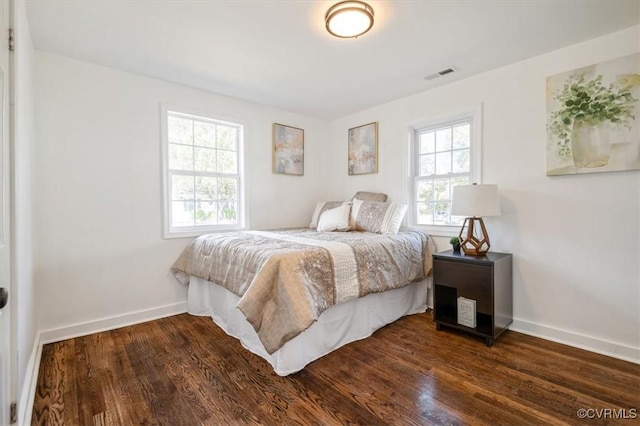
{"x": 443, "y": 159}
{"x": 203, "y": 178}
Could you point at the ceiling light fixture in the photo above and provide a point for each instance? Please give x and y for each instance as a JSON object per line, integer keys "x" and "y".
{"x": 349, "y": 19}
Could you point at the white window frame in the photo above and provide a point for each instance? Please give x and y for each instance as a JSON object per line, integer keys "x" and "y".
{"x": 473, "y": 114}
{"x": 194, "y": 231}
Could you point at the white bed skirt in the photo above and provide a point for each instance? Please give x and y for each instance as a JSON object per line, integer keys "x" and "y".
{"x": 337, "y": 326}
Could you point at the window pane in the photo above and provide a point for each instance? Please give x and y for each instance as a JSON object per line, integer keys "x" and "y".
{"x": 427, "y": 165}
{"x": 206, "y": 188}
{"x": 205, "y": 160}
{"x": 443, "y": 139}
{"x": 425, "y": 191}
{"x": 460, "y": 180}
{"x": 441, "y": 213}
{"x": 441, "y": 189}
{"x": 181, "y": 187}
{"x": 180, "y": 130}
{"x": 443, "y": 163}
{"x": 202, "y": 173}
{"x": 427, "y": 142}
{"x": 206, "y": 213}
{"x": 227, "y": 162}
{"x": 456, "y": 220}
{"x": 204, "y": 134}
{"x": 425, "y": 213}
{"x": 227, "y": 138}
{"x": 227, "y": 189}
{"x": 182, "y": 213}
{"x": 228, "y": 212}
{"x": 462, "y": 136}
{"x": 180, "y": 157}
{"x": 461, "y": 161}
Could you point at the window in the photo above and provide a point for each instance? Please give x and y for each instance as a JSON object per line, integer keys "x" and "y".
{"x": 203, "y": 174}
{"x": 445, "y": 154}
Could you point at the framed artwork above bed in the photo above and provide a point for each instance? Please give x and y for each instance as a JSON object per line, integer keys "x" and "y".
{"x": 288, "y": 150}
{"x": 363, "y": 149}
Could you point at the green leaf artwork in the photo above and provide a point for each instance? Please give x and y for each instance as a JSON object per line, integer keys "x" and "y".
{"x": 590, "y": 102}
{"x": 593, "y": 118}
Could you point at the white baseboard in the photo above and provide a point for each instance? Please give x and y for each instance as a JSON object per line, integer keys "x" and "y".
{"x": 25, "y": 407}
{"x": 589, "y": 343}
{"x": 111, "y": 323}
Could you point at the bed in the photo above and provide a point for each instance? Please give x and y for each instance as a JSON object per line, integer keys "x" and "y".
{"x": 292, "y": 296}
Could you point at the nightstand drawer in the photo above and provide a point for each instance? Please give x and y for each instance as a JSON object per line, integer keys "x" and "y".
{"x": 461, "y": 275}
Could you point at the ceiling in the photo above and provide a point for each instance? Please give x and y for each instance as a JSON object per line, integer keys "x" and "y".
{"x": 278, "y": 53}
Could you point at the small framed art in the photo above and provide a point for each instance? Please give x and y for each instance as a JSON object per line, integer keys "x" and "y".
{"x": 288, "y": 150}
{"x": 363, "y": 149}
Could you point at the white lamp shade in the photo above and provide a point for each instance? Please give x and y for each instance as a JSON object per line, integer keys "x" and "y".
{"x": 475, "y": 200}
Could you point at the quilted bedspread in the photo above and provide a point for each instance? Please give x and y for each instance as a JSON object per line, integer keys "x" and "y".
{"x": 286, "y": 278}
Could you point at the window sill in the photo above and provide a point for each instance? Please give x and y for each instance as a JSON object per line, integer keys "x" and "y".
{"x": 192, "y": 233}
{"x": 439, "y": 231}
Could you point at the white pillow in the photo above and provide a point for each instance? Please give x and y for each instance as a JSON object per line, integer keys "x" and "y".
{"x": 375, "y": 216}
{"x": 321, "y": 207}
{"x": 336, "y": 219}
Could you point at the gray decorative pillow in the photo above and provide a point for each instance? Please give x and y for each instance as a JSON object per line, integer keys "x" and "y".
{"x": 370, "y": 196}
{"x": 321, "y": 207}
{"x": 374, "y": 216}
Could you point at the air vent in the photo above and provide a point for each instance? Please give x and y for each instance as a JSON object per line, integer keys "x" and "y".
{"x": 441, "y": 73}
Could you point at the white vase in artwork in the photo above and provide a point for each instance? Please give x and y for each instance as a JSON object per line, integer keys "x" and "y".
{"x": 590, "y": 144}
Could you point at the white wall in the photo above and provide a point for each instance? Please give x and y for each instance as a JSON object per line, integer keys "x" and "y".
{"x": 575, "y": 239}
{"x": 99, "y": 251}
{"x": 98, "y": 185}
{"x": 23, "y": 200}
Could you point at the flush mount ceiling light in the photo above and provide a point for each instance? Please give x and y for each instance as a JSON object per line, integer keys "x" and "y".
{"x": 349, "y": 19}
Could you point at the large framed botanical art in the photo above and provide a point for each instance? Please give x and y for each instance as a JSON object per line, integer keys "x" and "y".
{"x": 288, "y": 150}
{"x": 593, "y": 118}
{"x": 363, "y": 149}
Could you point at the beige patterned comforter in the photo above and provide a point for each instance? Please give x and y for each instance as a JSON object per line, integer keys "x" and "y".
{"x": 285, "y": 279}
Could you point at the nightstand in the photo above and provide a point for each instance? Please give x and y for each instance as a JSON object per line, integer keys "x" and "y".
{"x": 487, "y": 280}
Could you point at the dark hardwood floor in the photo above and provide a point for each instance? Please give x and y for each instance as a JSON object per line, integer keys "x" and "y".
{"x": 184, "y": 370}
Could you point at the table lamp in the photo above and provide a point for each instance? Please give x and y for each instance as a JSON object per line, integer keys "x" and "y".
{"x": 474, "y": 202}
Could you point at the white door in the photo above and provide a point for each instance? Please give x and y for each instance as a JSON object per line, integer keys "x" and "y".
{"x": 6, "y": 379}
{"x": 5, "y": 316}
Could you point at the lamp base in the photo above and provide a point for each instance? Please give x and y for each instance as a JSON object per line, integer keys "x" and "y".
{"x": 472, "y": 244}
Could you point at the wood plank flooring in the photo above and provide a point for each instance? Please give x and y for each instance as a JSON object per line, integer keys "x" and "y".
{"x": 184, "y": 370}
